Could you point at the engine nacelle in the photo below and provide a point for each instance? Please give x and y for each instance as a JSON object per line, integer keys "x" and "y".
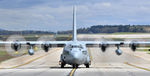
{"x": 16, "y": 46}
{"x": 31, "y": 52}
{"x": 103, "y": 47}
{"x": 118, "y": 52}
{"x": 133, "y": 47}
{"x": 46, "y": 47}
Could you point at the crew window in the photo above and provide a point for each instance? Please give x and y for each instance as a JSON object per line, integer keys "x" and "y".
{"x": 66, "y": 52}
{"x": 76, "y": 46}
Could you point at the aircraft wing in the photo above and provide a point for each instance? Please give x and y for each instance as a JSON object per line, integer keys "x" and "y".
{"x": 132, "y": 44}
{"x": 35, "y": 42}
{"x": 90, "y": 43}
{"x": 101, "y": 42}
{"x": 85, "y": 42}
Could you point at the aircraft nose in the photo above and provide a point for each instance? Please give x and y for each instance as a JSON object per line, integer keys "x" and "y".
{"x": 77, "y": 57}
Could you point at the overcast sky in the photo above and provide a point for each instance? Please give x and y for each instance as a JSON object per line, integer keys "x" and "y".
{"x": 55, "y": 15}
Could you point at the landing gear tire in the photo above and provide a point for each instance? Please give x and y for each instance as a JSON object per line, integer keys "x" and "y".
{"x": 87, "y": 65}
{"x": 62, "y": 65}
{"x": 75, "y": 65}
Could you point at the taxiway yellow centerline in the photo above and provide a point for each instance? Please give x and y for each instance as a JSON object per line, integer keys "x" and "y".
{"x": 136, "y": 66}
{"x": 90, "y": 54}
{"x": 72, "y": 72}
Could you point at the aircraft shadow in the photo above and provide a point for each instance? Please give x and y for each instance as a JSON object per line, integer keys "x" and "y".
{"x": 56, "y": 67}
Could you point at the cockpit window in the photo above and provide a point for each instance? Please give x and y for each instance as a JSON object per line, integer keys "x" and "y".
{"x": 66, "y": 52}
{"x": 84, "y": 52}
{"x": 76, "y": 46}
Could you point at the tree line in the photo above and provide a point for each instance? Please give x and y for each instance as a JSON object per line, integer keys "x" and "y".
{"x": 112, "y": 29}
{"x": 88, "y": 30}
{"x": 6, "y": 32}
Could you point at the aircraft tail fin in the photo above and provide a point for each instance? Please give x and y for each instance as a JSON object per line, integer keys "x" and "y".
{"x": 74, "y": 38}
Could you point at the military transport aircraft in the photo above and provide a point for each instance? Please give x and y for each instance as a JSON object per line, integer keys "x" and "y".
{"x": 75, "y": 52}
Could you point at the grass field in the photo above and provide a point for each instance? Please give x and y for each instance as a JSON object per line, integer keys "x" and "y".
{"x": 4, "y": 56}
{"x": 117, "y": 33}
{"x": 144, "y": 50}
{"x": 121, "y": 33}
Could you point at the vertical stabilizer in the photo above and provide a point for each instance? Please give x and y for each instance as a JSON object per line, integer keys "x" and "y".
{"x": 74, "y": 38}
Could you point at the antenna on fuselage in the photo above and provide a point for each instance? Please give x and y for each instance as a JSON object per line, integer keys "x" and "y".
{"x": 74, "y": 38}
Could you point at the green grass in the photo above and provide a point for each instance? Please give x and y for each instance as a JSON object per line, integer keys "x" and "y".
{"x": 4, "y": 56}
{"x": 121, "y": 33}
{"x": 144, "y": 50}
{"x": 148, "y": 52}
{"x": 117, "y": 33}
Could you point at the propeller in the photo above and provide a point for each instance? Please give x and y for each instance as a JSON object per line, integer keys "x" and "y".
{"x": 133, "y": 44}
{"x": 89, "y": 38}
{"x": 104, "y": 45}
{"x": 15, "y": 48}
{"x": 46, "y": 46}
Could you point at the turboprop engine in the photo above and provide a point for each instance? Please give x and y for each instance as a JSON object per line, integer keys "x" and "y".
{"x": 133, "y": 46}
{"x": 103, "y": 47}
{"x": 46, "y": 47}
{"x": 16, "y": 46}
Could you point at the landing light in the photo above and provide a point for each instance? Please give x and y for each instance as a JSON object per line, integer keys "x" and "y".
{"x": 16, "y": 52}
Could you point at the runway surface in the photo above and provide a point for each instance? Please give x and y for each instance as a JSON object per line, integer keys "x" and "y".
{"x": 103, "y": 64}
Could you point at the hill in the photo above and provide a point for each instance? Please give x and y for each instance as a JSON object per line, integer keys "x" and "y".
{"x": 26, "y": 32}
{"x": 113, "y": 29}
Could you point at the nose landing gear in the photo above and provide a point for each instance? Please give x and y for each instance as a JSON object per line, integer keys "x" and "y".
{"x": 75, "y": 65}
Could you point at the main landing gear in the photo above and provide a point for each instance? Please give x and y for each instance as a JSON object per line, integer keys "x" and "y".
{"x": 62, "y": 64}
{"x": 87, "y": 65}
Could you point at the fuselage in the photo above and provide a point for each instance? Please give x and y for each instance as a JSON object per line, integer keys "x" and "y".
{"x": 75, "y": 52}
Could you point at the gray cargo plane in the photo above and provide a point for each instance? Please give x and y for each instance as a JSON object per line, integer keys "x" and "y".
{"x": 75, "y": 52}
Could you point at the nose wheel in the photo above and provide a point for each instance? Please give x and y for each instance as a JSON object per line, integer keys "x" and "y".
{"x": 75, "y": 65}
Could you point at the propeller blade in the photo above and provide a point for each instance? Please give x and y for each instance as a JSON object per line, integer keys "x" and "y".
{"x": 15, "y": 49}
